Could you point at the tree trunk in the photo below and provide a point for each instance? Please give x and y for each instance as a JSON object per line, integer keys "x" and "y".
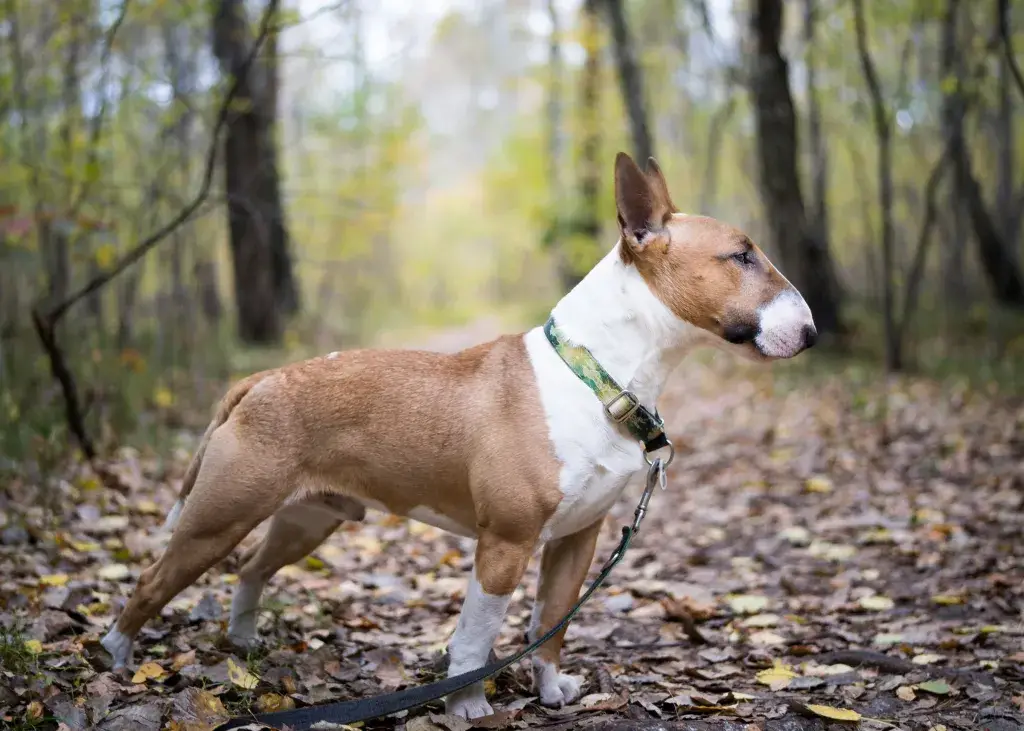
{"x": 997, "y": 260}
{"x": 1007, "y": 207}
{"x": 556, "y": 140}
{"x": 883, "y": 131}
{"x": 631, "y": 81}
{"x": 259, "y": 246}
{"x": 818, "y": 216}
{"x": 285, "y": 284}
{"x": 587, "y": 221}
{"x": 805, "y": 258}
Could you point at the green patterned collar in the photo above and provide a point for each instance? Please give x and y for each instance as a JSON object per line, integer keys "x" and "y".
{"x": 622, "y": 406}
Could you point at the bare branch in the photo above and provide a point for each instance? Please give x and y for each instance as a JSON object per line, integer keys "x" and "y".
{"x": 924, "y": 238}
{"x": 883, "y": 131}
{"x": 96, "y": 127}
{"x": 46, "y": 320}
{"x": 1003, "y": 11}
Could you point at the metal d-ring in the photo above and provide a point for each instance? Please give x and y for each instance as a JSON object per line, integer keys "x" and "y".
{"x": 665, "y": 462}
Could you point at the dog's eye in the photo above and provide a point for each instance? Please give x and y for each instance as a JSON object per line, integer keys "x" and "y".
{"x": 744, "y": 258}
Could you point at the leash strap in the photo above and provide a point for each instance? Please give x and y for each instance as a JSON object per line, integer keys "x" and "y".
{"x": 346, "y": 712}
{"x": 622, "y": 406}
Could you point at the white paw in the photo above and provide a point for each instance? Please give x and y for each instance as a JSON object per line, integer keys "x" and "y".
{"x": 560, "y": 690}
{"x": 243, "y": 639}
{"x": 555, "y": 689}
{"x": 468, "y": 703}
{"x": 119, "y": 645}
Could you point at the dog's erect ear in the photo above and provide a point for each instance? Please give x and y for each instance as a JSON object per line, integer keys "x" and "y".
{"x": 641, "y": 202}
{"x": 658, "y": 186}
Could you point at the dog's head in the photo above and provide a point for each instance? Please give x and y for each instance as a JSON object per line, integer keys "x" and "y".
{"x": 708, "y": 273}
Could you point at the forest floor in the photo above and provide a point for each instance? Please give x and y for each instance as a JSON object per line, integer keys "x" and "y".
{"x": 847, "y": 548}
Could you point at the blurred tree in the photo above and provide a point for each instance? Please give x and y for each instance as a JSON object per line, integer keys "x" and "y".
{"x": 631, "y": 81}
{"x": 265, "y": 286}
{"x": 994, "y": 252}
{"x": 804, "y": 256}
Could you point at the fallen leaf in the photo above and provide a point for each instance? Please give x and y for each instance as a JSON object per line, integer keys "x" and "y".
{"x": 906, "y": 693}
{"x": 876, "y": 603}
{"x": 240, "y": 676}
{"x": 796, "y": 535}
{"x": 198, "y": 710}
{"x": 818, "y": 484}
{"x": 767, "y": 638}
{"x": 114, "y": 572}
{"x": 747, "y": 603}
{"x": 148, "y": 671}
{"x": 450, "y": 722}
{"x": 927, "y": 659}
{"x": 761, "y": 620}
{"x": 835, "y": 714}
{"x": 53, "y": 580}
{"x": 273, "y": 702}
{"x": 34, "y": 646}
{"x": 936, "y": 687}
{"x": 776, "y": 677}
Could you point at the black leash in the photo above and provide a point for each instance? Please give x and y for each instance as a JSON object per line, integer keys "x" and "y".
{"x": 302, "y": 719}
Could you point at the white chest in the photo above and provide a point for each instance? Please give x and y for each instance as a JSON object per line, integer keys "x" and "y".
{"x": 597, "y": 459}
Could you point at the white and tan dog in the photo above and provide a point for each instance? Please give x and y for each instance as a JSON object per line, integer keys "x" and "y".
{"x": 501, "y": 442}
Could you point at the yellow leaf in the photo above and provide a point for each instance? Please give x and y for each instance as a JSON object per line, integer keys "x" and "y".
{"x": 836, "y": 714}
{"x": 272, "y": 702}
{"x": 762, "y": 620}
{"x": 34, "y": 710}
{"x": 85, "y": 546}
{"x": 114, "y": 572}
{"x": 54, "y": 580}
{"x": 241, "y": 677}
{"x": 876, "y": 603}
{"x": 776, "y": 677}
{"x": 314, "y": 564}
{"x": 947, "y": 599}
{"x": 747, "y": 603}
{"x": 34, "y": 646}
{"x": 105, "y": 256}
{"x": 148, "y": 671}
{"x": 819, "y": 484}
{"x": 906, "y": 693}
{"x": 147, "y": 507}
{"x": 162, "y": 397}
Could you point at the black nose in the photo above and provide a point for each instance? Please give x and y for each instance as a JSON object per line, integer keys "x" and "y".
{"x": 810, "y": 336}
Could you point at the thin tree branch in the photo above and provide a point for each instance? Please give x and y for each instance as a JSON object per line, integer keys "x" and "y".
{"x": 883, "y": 131}
{"x": 1003, "y": 11}
{"x": 924, "y": 238}
{"x": 155, "y": 238}
{"x": 96, "y": 126}
{"x": 46, "y": 319}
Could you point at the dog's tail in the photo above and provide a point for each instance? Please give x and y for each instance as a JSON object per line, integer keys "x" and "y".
{"x": 224, "y": 409}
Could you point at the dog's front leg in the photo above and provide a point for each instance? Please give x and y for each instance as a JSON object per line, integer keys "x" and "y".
{"x": 563, "y": 568}
{"x": 498, "y": 568}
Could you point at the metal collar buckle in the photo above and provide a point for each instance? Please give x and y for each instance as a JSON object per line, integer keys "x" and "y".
{"x": 634, "y": 404}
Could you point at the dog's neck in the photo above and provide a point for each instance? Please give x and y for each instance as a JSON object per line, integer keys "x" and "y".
{"x": 632, "y": 333}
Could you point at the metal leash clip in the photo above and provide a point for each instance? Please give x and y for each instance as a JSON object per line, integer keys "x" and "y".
{"x": 655, "y": 477}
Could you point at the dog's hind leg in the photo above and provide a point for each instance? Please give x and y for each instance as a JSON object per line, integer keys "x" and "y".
{"x": 236, "y": 489}
{"x": 295, "y": 531}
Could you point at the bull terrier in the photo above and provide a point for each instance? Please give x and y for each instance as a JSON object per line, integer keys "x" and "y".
{"x": 508, "y": 442}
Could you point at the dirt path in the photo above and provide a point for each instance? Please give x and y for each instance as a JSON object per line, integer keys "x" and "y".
{"x": 834, "y": 566}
